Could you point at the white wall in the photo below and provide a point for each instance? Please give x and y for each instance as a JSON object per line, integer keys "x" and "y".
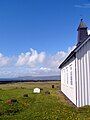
{"x": 83, "y": 75}
{"x": 66, "y": 87}
{"x": 79, "y": 91}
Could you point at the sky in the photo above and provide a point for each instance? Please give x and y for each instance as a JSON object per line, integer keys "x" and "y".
{"x": 37, "y": 35}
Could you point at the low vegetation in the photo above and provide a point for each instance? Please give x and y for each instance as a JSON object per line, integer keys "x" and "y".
{"x": 18, "y": 102}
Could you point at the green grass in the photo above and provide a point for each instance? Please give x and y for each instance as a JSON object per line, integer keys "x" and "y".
{"x": 38, "y": 106}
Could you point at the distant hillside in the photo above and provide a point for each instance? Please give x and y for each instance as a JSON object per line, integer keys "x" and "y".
{"x": 30, "y": 78}
{"x": 39, "y": 78}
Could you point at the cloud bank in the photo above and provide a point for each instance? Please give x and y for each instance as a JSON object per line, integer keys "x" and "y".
{"x": 32, "y": 63}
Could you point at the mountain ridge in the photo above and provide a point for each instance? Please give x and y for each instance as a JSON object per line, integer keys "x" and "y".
{"x": 31, "y": 78}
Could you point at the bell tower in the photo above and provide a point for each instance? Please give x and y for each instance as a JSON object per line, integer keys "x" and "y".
{"x": 82, "y": 32}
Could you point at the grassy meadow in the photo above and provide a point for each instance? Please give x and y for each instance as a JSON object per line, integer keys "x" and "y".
{"x": 27, "y": 105}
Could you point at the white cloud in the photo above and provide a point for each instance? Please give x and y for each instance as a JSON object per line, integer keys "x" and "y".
{"x": 40, "y": 63}
{"x": 54, "y": 61}
{"x": 31, "y": 58}
{"x": 4, "y": 60}
{"x": 32, "y": 63}
{"x": 45, "y": 69}
{"x": 83, "y": 6}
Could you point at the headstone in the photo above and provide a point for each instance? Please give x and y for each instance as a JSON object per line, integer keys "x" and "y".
{"x": 25, "y": 95}
{"x": 52, "y": 86}
{"x": 11, "y": 101}
{"x": 36, "y": 90}
{"x": 47, "y": 93}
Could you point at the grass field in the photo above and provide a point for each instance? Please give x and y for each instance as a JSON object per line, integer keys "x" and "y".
{"x": 53, "y": 106}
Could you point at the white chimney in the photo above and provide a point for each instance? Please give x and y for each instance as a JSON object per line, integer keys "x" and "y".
{"x": 88, "y": 32}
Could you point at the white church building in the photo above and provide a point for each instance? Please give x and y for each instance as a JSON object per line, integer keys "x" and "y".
{"x": 75, "y": 70}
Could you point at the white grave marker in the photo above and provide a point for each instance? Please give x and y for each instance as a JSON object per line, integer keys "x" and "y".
{"x": 36, "y": 90}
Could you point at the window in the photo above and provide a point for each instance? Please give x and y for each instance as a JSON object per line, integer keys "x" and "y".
{"x": 71, "y": 81}
{"x": 64, "y": 75}
{"x": 67, "y": 74}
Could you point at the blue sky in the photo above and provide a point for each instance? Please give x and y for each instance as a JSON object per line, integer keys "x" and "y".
{"x": 34, "y": 33}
